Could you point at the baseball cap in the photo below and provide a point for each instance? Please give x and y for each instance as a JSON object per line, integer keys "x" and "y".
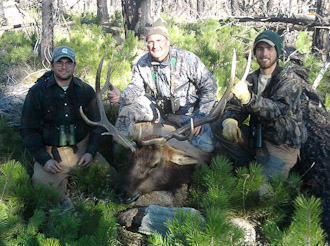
{"x": 157, "y": 27}
{"x": 64, "y": 51}
{"x": 271, "y": 38}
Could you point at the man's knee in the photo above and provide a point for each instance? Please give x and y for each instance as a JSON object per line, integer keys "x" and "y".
{"x": 273, "y": 167}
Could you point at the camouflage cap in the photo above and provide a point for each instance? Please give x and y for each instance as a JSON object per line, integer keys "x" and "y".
{"x": 64, "y": 51}
{"x": 158, "y": 27}
{"x": 271, "y": 38}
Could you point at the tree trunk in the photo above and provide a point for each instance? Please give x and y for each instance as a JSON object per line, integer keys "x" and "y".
{"x": 60, "y": 8}
{"x": 3, "y": 20}
{"x": 136, "y": 14}
{"x": 235, "y": 9}
{"x": 47, "y": 31}
{"x": 86, "y": 7}
{"x": 102, "y": 11}
{"x": 200, "y": 8}
{"x": 321, "y": 36}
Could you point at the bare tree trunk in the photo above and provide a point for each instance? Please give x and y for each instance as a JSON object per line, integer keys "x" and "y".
{"x": 235, "y": 10}
{"x": 136, "y": 14}
{"x": 60, "y": 7}
{"x": 200, "y": 8}
{"x": 102, "y": 11}
{"x": 86, "y": 7}
{"x": 3, "y": 20}
{"x": 321, "y": 36}
{"x": 47, "y": 31}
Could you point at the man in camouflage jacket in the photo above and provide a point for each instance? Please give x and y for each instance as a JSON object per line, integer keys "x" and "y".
{"x": 167, "y": 83}
{"x": 271, "y": 97}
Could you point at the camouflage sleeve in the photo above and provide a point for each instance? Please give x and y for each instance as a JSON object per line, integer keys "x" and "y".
{"x": 283, "y": 101}
{"x": 135, "y": 88}
{"x": 206, "y": 86}
{"x": 29, "y": 129}
{"x": 235, "y": 111}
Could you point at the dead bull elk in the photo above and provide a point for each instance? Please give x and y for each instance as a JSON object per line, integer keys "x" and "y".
{"x": 164, "y": 159}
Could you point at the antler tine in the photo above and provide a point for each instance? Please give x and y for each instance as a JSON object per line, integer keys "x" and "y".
{"x": 248, "y": 65}
{"x": 108, "y": 83}
{"x": 174, "y": 134}
{"x": 104, "y": 122}
{"x": 211, "y": 117}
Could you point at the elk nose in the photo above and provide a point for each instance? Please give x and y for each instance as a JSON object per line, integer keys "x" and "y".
{"x": 119, "y": 194}
{"x": 132, "y": 199}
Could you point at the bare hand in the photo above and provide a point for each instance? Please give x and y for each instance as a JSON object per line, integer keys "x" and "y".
{"x": 86, "y": 160}
{"x": 198, "y": 130}
{"x": 52, "y": 166}
{"x": 114, "y": 94}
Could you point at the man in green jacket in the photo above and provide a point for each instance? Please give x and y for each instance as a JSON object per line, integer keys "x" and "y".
{"x": 271, "y": 98}
{"x": 52, "y": 128}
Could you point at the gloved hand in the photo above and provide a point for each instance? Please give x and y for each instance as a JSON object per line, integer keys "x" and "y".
{"x": 231, "y": 131}
{"x": 241, "y": 91}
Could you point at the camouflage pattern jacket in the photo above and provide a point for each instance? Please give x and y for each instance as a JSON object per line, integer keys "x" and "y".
{"x": 278, "y": 108}
{"x": 194, "y": 84}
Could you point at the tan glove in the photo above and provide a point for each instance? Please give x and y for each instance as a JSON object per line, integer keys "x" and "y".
{"x": 241, "y": 91}
{"x": 231, "y": 131}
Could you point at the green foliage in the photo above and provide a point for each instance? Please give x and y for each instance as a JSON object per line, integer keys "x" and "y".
{"x": 31, "y": 214}
{"x": 313, "y": 66}
{"x": 211, "y": 193}
{"x": 11, "y": 145}
{"x": 303, "y": 43}
{"x": 93, "y": 181}
{"x": 305, "y": 228}
{"x": 16, "y": 48}
{"x": 87, "y": 224}
{"x": 246, "y": 193}
{"x": 214, "y": 46}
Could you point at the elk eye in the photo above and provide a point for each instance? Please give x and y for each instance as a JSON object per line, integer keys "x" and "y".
{"x": 154, "y": 165}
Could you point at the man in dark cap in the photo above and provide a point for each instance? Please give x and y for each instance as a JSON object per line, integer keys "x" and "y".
{"x": 271, "y": 98}
{"x": 167, "y": 84}
{"x": 52, "y": 128}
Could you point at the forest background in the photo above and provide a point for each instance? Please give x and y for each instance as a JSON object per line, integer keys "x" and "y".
{"x": 211, "y": 29}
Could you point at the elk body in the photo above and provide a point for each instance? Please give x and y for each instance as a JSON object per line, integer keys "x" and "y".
{"x": 162, "y": 158}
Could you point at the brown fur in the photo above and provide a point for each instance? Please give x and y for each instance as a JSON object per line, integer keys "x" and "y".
{"x": 159, "y": 167}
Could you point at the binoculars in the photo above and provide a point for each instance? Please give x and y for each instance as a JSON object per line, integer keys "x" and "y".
{"x": 169, "y": 105}
{"x": 67, "y": 135}
{"x": 255, "y": 140}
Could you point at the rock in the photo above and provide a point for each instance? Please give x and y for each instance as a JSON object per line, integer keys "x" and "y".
{"x": 250, "y": 235}
{"x": 147, "y": 220}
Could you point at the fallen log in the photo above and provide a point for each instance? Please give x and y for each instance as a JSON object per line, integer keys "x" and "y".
{"x": 306, "y": 22}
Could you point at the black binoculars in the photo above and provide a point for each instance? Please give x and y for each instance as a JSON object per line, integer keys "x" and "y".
{"x": 255, "y": 140}
{"x": 66, "y": 135}
{"x": 169, "y": 105}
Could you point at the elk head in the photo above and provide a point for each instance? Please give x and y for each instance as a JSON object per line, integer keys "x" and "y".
{"x": 154, "y": 164}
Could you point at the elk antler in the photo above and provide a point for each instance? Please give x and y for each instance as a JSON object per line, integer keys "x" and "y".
{"x": 104, "y": 122}
{"x": 215, "y": 114}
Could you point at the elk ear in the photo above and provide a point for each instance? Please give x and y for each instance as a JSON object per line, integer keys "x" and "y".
{"x": 181, "y": 158}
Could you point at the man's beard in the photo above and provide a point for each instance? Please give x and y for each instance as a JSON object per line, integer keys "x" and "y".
{"x": 267, "y": 64}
